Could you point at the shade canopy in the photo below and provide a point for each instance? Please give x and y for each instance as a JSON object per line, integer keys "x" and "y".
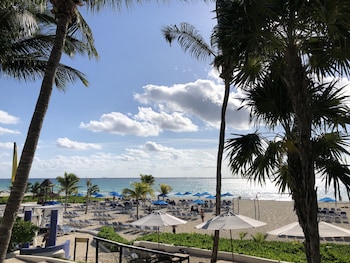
{"x": 159, "y": 202}
{"x": 325, "y": 230}
{"x": 230, "y": 220}
{"x": 115, "y": 194}
{"x": 159, "y": 219}
{"x": 327, "y": 200}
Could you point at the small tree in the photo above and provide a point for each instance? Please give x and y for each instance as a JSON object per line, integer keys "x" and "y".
{"x": 91, "y": 189}
{"x": 68, "y": 185}
{"x": 22, "y": 232}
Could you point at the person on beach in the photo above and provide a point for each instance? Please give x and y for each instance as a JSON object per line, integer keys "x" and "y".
{"x": 202, "y": 214}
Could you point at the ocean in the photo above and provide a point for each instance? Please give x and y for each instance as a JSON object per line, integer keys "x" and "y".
{"x": 238, "y": 187}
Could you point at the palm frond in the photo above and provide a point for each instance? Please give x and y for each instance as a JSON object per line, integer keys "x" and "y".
{"x": 189, "y": 39}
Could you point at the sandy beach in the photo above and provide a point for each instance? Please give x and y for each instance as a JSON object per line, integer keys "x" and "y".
{"x": 274, "y": 213}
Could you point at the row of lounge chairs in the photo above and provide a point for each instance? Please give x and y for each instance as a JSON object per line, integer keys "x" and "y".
{"x": 333, "y": 215}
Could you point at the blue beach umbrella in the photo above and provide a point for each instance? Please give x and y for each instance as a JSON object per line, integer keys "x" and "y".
{"x": 210, "y": 197}
{"x": 159, "y": 202}
{"x": 327, "y": 200}
{"x": 205, "y": 193}
{"x": 115, "y": 194}
{"x": 197, "y": 194}
{"x": 198, "y": 201}
{"x": 227, "y": 194}
{"x": 186, "y": 193}
{"x": 162, "y": 195}
{"x": 178, "y": 193}
{"x": 99, "y": 195}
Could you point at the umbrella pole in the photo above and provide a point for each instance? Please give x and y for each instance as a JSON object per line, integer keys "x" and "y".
{"x": 231, "y": 246}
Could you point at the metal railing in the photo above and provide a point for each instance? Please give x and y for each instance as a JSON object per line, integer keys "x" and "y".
{"x": 134, "y": 254}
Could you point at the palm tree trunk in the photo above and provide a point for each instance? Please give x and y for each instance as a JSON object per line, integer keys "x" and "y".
{"x": 219, "y": 164}
{"x": 28, "y": 153}
{"x": 305, "y": 197}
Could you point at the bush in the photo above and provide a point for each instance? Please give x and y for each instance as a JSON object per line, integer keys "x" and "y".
{"x": 22, "y": 232}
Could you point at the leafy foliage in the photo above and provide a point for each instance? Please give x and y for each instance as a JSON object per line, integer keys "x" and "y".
{"x": 22, "y": 232}
{"x": 277, "y": 250}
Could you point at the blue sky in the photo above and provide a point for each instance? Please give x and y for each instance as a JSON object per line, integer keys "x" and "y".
{"x": 150, "y": 108}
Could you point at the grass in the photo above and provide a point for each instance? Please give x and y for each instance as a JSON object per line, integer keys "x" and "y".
{"x": 277, "y": 250}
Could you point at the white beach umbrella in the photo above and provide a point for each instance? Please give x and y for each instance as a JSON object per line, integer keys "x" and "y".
{"x": 325, "y": 230}
{"x": 158, "y": 219}
{"x": 230, "y": 220}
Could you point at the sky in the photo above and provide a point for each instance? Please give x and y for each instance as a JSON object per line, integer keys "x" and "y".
{"x": 150, "y": 108}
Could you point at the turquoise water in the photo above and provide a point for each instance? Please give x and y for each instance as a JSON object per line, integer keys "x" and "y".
{"x": 235, "y": 186}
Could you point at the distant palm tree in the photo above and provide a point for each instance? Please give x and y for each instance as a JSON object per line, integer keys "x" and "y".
{"x": 164, "y": 189}
{"x": 35, "y": 189}
{"x": 148, "y": 179}
{"x": 138, "y": 192}
{"x": 68, "y": 185}
{"x": 91, "y": 189}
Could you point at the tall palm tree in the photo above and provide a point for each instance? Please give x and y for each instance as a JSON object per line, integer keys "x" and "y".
{"x": 91, "y": 189}
{"x": 296, "y": 40}
{"x": 138, "y": 192}
{"x": 24, "y": 51}
{"x": 66, "y": 16}
{"x": 190, "y": 40}
{"x": 68, "y": 185}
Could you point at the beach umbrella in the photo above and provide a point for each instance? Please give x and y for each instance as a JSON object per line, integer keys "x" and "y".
{"x": 198, "y": 201}
{"x": 231, "y": 221}
{"x": 178, "y": 193}
{"x": 197, "y": 194}
{"x": 327, "y": 200}
{"x": 186, "y": 193}
{"x": 159, "y": 202}
{"x": 98, "y": 195}
{"x": 205, "y": 193}
{"x": 325, "y": 230}
{"x": 115, "y": 194}
{"x": 210, "y": 197}
{"x": 158, "y": 219}
{"x": 227, "y": 194}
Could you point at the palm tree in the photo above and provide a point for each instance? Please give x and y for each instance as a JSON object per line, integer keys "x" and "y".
{"x": 91, "y": 189}
{"x": 68, "y": 185}
{"x": 164, "y": 189}
{"x": 138, "y": 192}
{"x": 190, "y": 40}
{"x": 295, "y": 40}
{"x": 35, "y": 189}
{"x": 65, "y": 14}
{"x": 148, "y": 179}
{"x": 24, "y": 51}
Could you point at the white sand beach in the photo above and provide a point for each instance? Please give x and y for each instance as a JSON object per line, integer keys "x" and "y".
{"x": 274, "y": 213}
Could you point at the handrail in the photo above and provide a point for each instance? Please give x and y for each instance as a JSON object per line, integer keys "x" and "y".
{"x": 180, "y": 257}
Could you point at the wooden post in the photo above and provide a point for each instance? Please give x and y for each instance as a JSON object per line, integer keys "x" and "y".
{"x": 81, "y": 240}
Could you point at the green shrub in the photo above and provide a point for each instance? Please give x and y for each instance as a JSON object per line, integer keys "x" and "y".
{"x": 259, "y": 237}
{"x": 22, "y": 232}
{"x": 242, "y": 235}
{"x": 108, "y": 232}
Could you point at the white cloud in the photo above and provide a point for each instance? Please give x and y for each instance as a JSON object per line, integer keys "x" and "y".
{"x": 6, "y": 118}
{"x": 175, "y": 121}
{"x": 66, "y": 143}
{"x": 118, "y": 123}
{"x": 8, "y": 131}
{"x": 6, "y": 145}
{"x": 152, "y": 157}
{"x": 201, "y": 99}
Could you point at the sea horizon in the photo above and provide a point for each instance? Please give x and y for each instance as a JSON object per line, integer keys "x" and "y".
{"x": 237, "y": 187}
